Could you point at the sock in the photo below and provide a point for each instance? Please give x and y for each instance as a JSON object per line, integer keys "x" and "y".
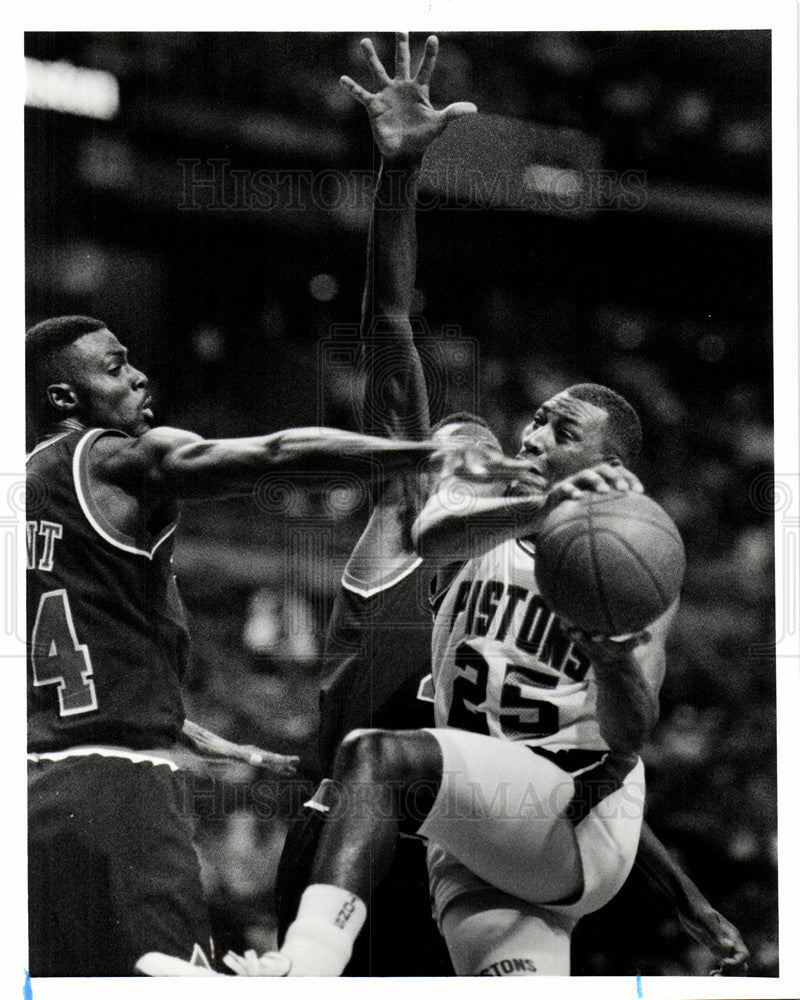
{"x": 320, "y": 941}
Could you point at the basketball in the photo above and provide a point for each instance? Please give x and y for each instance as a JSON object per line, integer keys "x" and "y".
{"x": 609, "y": 563}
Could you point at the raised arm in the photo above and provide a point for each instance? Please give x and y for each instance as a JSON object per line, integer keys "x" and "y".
{"x": 166, "y": 462}
{"x": 404, "y": 123}
{"x": 696, "y": 914}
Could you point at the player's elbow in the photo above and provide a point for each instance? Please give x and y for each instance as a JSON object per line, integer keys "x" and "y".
{"x": 624, "y": 741}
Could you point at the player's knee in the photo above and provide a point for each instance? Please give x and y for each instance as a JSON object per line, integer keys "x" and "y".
{"x": 387, "y": 755}
{"x": 370, "y": 753}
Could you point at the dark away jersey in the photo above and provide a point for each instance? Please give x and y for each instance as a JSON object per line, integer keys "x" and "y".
{"x": 377, "y": 654}
{"x": 107, "y": 637}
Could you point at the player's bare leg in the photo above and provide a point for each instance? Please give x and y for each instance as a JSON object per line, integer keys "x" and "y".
{"x": 383, "y": 782}
{"x": 443, "y": 784}
{"x": 489, "y": 933}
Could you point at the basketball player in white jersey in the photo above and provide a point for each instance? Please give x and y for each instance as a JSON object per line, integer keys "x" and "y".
{"x": 530, "y": 790}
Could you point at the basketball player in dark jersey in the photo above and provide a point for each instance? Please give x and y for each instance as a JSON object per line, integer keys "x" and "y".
{"x": 113, "y": 876}
{"x": 377, "y": 649}
{"x": 385, "y": 564}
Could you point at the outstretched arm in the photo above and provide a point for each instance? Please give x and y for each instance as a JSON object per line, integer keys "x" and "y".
{"x": 166, "y": 462}
{"x": 403, "y": 123}
{"x": 209, "y": 743}
{"x": 695, "y": 913}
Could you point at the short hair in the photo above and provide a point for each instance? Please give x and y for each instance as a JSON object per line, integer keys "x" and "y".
{"x": 461, "y": 417}
{"x": 623, "y": 432}
{"x": 44, "y": 344}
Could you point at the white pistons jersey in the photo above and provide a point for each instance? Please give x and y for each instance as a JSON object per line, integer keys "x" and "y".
{"x": 501, "y": 664}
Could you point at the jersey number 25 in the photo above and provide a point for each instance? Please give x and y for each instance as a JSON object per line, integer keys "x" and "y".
{"x": 519, "y": 716}
{"x": 58, "y": 658}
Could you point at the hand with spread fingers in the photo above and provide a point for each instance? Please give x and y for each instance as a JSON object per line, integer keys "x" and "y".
{"x": 212, "y": 744}
{"x": 404, "y": 122}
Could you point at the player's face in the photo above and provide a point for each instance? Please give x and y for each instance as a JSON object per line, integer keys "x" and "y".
{"x": 474, "y": 434}
{"x": 565, "y": 436}
{"x": 110, "y": 391}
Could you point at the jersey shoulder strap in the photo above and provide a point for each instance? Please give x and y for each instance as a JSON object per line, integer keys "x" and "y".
{"x": 92, "y": 510}
{"x": 441, "y": 582}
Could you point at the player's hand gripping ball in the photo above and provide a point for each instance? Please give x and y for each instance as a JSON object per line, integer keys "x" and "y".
{"x": 609, "y": 563}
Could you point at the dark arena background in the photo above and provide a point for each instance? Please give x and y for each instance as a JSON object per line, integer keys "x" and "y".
{"x": 605, "y": 217}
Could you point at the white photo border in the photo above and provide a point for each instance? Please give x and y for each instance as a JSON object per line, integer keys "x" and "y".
{"x": 781, "y": 17}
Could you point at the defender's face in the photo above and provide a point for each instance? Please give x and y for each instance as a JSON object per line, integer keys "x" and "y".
{"x": 110, "y": 391}
{"x": 565, "y": 436}
{"x": 475, "y": 434}
{"x": 470, "y": 433}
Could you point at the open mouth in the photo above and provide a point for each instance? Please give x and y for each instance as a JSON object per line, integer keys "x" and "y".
{"x": 534, "y": 470}
{"x": 147, "y": 408}
{"x": 532, "y": 480}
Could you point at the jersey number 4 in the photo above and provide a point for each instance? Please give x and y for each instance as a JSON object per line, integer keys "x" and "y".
{"x": 519, "y": 716}
{"x": 58, "y": 658}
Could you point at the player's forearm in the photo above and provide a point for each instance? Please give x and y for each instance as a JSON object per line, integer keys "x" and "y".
{"x": 627, "y": 709}
{"x": 694, "y": 911}
{"x": 208, "y": 743}
{"x": 456, "y": 525}
{"x": 392, "y": 246}
{"x": 657, "y": 863}
{"x": 226, "y": 467}
{"x": 204, "y": 739}
{"x": 396, "y": 399}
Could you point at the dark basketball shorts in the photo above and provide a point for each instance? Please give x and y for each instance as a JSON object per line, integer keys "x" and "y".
{"x": 112, "y": 870}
